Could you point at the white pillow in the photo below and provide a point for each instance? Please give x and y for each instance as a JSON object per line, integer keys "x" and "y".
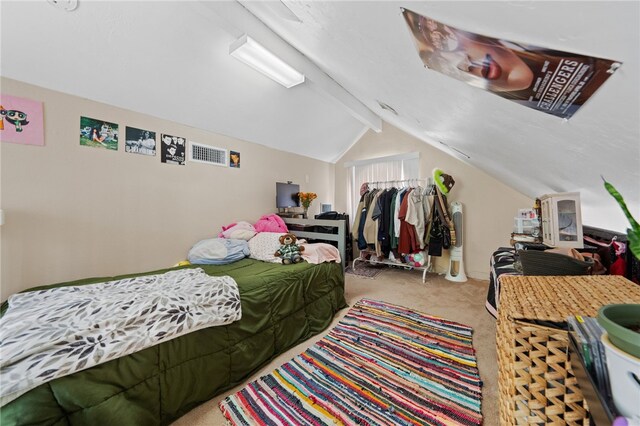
{"x": 264, "y": 245}
{"x": 218, "y": 251}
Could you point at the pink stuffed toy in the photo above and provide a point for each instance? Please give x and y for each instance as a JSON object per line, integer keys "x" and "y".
{"x": 270, "y": 223}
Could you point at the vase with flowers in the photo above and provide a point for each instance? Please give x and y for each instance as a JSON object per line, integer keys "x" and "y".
{"x": 305, "y": 199}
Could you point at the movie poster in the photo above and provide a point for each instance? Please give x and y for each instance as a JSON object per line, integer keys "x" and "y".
{"x": 172, "y": 149}
{"x": 98, "y": 133}
{"x": 551, "y": 81}
{"x": 140, "y": 141}
{"x": 21, "y": 121}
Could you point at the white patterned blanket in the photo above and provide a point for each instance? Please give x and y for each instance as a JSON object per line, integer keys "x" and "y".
{"x": 51, "y": 333}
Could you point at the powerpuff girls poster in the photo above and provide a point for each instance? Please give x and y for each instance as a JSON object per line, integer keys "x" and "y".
{"x": 21, "y": 121}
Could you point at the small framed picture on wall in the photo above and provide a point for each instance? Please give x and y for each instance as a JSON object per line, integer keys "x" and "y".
{"x": 172, "y": 149}
{"x": 234, "y": 159}
{"x": 140, "y": 141}
{"x": 21, "y": 121}
{"x": 98, "y": 133}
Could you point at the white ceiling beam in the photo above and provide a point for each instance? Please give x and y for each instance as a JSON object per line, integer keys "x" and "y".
{"x": 237, "y": 20}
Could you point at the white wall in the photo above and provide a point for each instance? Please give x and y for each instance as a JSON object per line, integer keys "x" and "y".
{"x": 489, "y": 205}
{"x": 74, "y": 211}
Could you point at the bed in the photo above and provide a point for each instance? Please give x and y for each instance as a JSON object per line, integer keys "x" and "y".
{"x": 281, "y": 307}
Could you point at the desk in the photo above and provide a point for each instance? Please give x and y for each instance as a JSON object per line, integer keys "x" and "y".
{"x": 293, "y": 215}
{"x": 535, "y": 382}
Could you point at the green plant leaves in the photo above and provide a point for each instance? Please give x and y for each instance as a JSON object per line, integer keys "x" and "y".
{"x": 633, "y": 233}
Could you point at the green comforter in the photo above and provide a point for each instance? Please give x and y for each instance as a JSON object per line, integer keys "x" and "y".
{"x": 281, "y": 307}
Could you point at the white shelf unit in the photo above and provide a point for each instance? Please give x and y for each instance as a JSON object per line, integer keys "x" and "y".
{"x": 562, "y": 220}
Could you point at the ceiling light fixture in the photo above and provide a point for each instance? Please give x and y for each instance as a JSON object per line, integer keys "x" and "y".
{"x": 260, "y": 59}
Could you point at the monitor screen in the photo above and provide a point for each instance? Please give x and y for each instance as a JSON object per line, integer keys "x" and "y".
{"x": 287, "y": 195}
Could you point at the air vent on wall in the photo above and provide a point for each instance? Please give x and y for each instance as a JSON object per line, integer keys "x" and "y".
{"x": 201, "y": 153}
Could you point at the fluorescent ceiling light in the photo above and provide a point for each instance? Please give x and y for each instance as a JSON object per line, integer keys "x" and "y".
{"x": 260, "y": 59}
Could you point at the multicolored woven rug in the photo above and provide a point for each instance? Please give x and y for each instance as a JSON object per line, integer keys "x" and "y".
{"x": 381, "y": 365}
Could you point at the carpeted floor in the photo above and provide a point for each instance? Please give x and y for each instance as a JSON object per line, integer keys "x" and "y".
{"x": 461, "y": 302}
{"x": 365, "y": 270}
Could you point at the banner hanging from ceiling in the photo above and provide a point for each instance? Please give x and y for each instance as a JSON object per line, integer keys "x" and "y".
{"x": 547, "y": 80}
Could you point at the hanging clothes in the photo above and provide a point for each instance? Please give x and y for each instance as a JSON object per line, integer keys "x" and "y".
{"x": 400, "y": 221}
{"x": 396, "y": 220}
{"x": 364, "y": 215}
{"x": 370, "y": 231}
{"x": 384, "y": 222}
{"x": 355, "y": 229}
{"x": 408, "y": 242}
{"x": 415, "y": 215}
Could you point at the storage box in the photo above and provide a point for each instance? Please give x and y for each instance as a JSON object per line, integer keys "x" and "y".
{"x": 524, "y": 225}
{"x": 536, "y": 384}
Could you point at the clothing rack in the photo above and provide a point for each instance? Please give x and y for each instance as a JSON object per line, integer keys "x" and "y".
{"x": 429, "y": 181}
{"x": 427, "y": 267}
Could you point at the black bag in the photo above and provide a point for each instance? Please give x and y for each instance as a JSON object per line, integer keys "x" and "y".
{"x": 448, "y": 233}
{"x": 332, "y": 216}
{"x": 446, "y": 236}
{"x": 435, "y": 237}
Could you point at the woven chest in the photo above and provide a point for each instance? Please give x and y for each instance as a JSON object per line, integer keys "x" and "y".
{"x": 536, "y": 384}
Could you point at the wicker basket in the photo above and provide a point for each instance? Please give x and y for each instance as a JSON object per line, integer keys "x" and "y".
{"x": 535, "y": 381}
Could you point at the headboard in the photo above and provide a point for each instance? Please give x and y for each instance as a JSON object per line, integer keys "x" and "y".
{"x": 306, "y": 228}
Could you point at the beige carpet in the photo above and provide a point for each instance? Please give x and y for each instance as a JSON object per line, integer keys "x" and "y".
{"x": 462, "y": 302}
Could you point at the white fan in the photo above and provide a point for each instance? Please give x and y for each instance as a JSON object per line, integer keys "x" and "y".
{"x": 456, "y": 263}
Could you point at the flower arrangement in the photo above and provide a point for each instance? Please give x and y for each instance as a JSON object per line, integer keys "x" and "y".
{"x": 306, "y": 198}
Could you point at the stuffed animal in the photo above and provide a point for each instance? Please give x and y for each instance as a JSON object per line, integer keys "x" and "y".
{"x": 289, "y": 251}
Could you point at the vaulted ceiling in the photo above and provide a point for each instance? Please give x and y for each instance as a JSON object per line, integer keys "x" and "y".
{"x": 170, "y": 60}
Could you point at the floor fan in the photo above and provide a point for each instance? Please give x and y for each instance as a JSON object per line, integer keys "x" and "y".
{"x": 456, "y": 263}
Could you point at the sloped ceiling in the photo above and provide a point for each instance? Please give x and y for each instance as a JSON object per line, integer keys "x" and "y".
{"x": 170, "y": 59}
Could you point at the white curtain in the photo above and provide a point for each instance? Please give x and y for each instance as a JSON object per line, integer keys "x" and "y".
{"x": 383, "y": 169}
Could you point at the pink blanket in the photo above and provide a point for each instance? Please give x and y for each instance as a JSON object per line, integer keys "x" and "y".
{"x": 320, "y": 252}
{"x": 270, "y": 223}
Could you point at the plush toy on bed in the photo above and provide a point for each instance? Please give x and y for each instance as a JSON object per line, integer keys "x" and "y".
{"x": 289, "y": 251}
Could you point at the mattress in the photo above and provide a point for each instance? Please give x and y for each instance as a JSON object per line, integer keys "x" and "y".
{"x": 282, "y": 305}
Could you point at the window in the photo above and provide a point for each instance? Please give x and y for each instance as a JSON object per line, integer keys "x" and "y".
{"x": 383, "y": 169}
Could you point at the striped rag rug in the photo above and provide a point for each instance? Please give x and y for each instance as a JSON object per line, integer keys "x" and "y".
{"x": 381, "y": 365}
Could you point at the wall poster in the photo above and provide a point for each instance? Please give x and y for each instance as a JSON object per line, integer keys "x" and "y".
{"x": 98, "y": 133}
{"x": 172, "y": 149}
{"x": 547, "y": 80}
{"x": 234, "y": 159}
{"x": 21, "y": 121}
{"x": 140, "y": 141}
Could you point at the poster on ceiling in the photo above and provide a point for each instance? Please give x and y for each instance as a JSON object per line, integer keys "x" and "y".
{"x": 172, "y": 149}
{"x": 140, "y": 141}
{"x": 547, "y": 80}
{"x": 98, "y": 133}
{"x": 21, "y": 121}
